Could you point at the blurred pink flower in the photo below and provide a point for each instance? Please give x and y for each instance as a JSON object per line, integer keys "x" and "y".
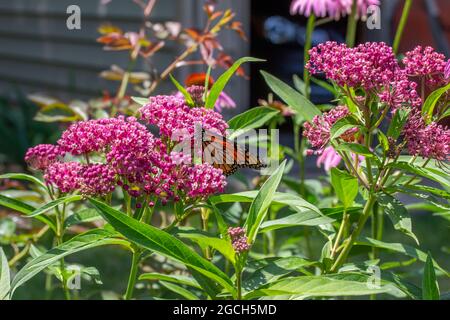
{"x": 224, "y": 101}
{"x": 329, "y": 159}
{"x": 330, "y": 8}
{"x": 447, "y": 70}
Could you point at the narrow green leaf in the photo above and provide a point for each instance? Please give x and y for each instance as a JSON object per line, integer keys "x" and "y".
{"x": 183, "y": 90}
{"x": 203, "y": 240}
{"x": 52, "y": 204}
{"x": 430, "y": 286}
{"x": 431, "y": 101}
{"x": 345, "y": 185}
{"x": 140, "y": 100}
{"x": 261, "y": 203}
{"x": 223, "y": 80}
{"x": 397, "y": 123}
{"x": 428, "y": 173}
{"x": 251, "y": 119}
{"x": 355, "y": 148}
{"x": 398, "y": 214}
{"x": 345, "y": 284}
{"x": 5, "y": 281}
{"x": 84, "y": 241}
{"x": 25, "y": 177}
{"x": 342, "y": 126}
{"x": 273, "y": 271}
{"x": 180, "y": 290}
{"x": 306, "y": 218}
{"x": 291, "y": 97}
{"x": 398, "y": 247}
{"x": 175, "y": 278}
{"x": 26, "y": 209}
{"x": 82, "y": 216}
{"x": 161, "y": 242}
{"x": 299, "y": 84}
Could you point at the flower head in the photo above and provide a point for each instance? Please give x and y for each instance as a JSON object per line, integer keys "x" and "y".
{"x": 427, "y": 64}
{"x": 203, "y": 179}
{"x": 97, "y": 180}
{"x": 64, "y": 175}
{"x": 41, "y": 156}
{"x": 239, "y": 239}
{"x": 330, "y": 8}
{"x": 224, "y": 101}
{"x": 427, "y": 141}
{"x": 318, "y": 130}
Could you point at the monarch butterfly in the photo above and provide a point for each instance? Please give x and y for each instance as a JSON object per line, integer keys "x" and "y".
{"x": 227, "y": 155}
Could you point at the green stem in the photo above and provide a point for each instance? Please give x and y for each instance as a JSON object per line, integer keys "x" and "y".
{"x": 401, "y": 25}
{"x": 350, "y": 242}
{"x": 342, "y": 228}
{"x": 133, "y": 274}
{"x": 351, "y": 26}
{"x": 308, "y": 44}
{"x": 239, "y": 284}
{"x": 375, "y": 226}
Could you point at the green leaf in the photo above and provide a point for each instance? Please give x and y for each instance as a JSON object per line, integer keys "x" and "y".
{"x": 5, "y": 281}
{"x": 398, "y": 214}
{"x": 430, "y": 286}
{"x": 345, "y": 185}
{"x": 175, "y": 278}
{"x": 345, "y": 284}
{"x": 180, "y": 88}
{"x": 26, "y": 209}
{"x": 261, "y": 203}
{"x": 398, "y": 247}
{"x": 25, "y": 177}
{"x": 222, "y": 81}
{"x": 428, "y": 173}
{"x": 397, "y": 123}
{"x": 342, "y": 126}
{"x": 291, "y": 200}
{"x": 52, "y": 204}
{"x": 291, "y": 97}
{"x": 384, "y": 142}
{"x": 82, "y": 216}
{"x": 430, "y": 103}
{"x": 273, "y": 271}
{"x": 355, "y": 148}
{"x": 306, "y": 218}
{"x": 57, "y": 112}
{"x": 180, "y": 290}
{"x": 140, "y": 100}
{"x": 203, "y": 240}
{"x": 161, "y": 242}
{"x": 251, "y": 119}
{"x": 299, "y": 84}
{"x": 84, "y": 241}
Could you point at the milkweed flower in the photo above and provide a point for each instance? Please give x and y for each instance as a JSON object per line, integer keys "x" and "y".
{"x": 427, "y": 64}
{"x": 318, "y": 130}
{"x": 239, "y": 239}
{"x": 427, "y": 141}
{"x": 64, "y": 175}
{"x": 203, "y": 180}
{"x": 329, "y": 158}
{"x": 175, "y": 119}
{"x": 41, "y": 156}
{"x": 97, "y": 180}
{"x": 330, "y": 8}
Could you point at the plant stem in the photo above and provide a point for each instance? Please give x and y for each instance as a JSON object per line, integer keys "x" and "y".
{"x": 342, "y": 227}
{"x": 351, "y": 26}
{"x": 239, "y": 284}
{"x": 350, "y": 241}
{"x": 308, "y": 44}
{"x": 133, "y": 274}
{"x": 401, "y": 25}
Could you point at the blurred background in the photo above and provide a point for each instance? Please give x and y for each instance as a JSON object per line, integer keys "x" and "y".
{"x": 38, "y": 54}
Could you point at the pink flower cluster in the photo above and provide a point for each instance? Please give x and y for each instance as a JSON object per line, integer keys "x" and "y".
{"x": 330, "y": 8}
{"x": 224, "y": 101}
{"x": 41, "y": 156}
{"x": 177, "y": 121}
{"x": 427, "y": 64}
{"x": 97, "y": 179}
{"x": 239, "y": 239}
{"x": 371, "y": 66}
{"x": 427, "y": 141}
{"x": 318, "y": 131}
{"x": 134, "y": 159}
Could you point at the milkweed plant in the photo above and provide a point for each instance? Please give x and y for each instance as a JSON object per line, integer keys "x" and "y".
{"x": 126, "y": 180}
